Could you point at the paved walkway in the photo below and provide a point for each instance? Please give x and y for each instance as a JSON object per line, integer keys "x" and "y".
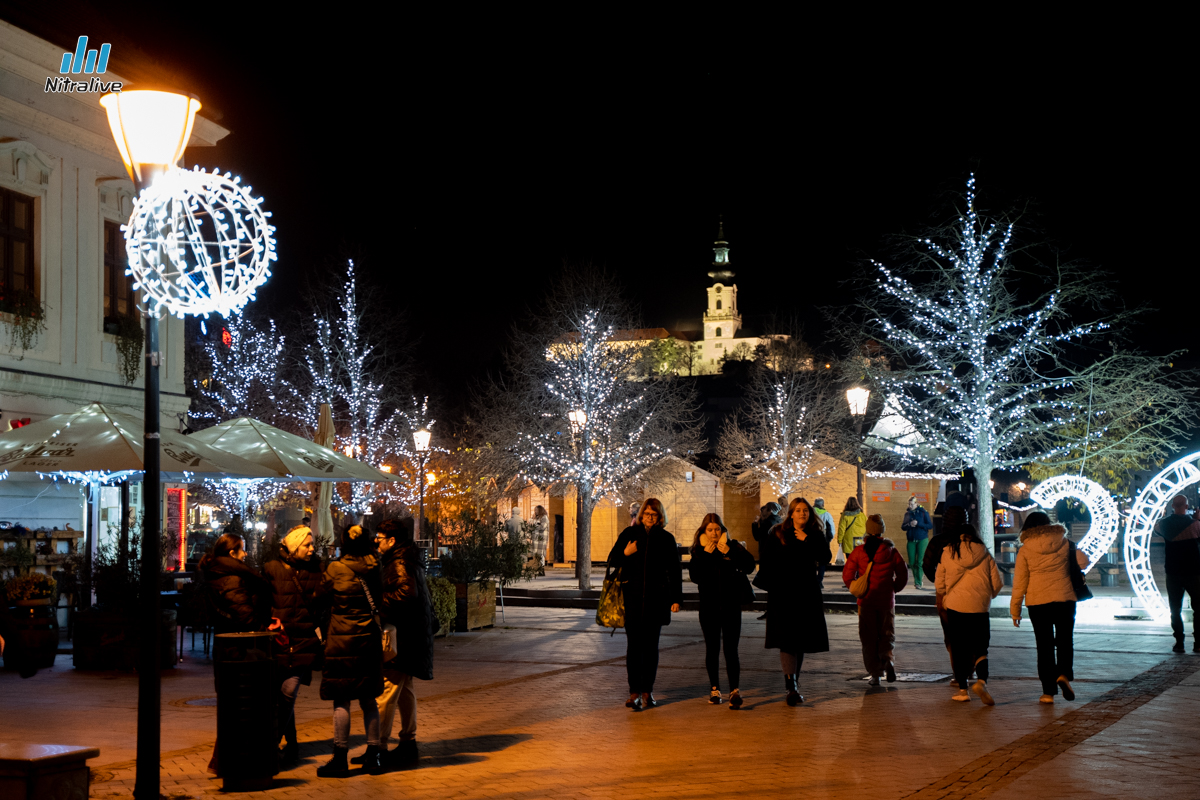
{"x": 533, "y": 709}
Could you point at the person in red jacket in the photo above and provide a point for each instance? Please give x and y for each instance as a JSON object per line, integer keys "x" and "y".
{"x": 877, "y": 608}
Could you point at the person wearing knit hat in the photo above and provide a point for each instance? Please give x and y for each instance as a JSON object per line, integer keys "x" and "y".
{"x": 886, "y": 574}
{"x": 300, "y": 601}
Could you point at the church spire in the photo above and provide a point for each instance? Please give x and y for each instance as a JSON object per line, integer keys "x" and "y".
{"x": 721, "y": 271}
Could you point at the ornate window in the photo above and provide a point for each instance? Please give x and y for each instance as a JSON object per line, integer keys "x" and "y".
{"x": 17, "y": 269}
{"x": 119, "y": 297}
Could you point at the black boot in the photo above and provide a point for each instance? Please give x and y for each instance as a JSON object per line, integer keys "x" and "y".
{"x": 405, "y": 754}
{"x": 793, "y": 696}
{"x": 286, "y": 720}
{"x": 1178, "y": 648}
{"x": 373, "y": 760}
{"x": 337, "y": 766}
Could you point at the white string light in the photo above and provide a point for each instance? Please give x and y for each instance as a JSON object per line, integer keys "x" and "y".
{"x": 1106, "y": 519}
{"x": 198, "y": 243}
{"x": 1148, "y": 509}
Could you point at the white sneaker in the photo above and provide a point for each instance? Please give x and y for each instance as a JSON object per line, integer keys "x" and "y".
{"x": 874, "y": 681}
{"x": 1048, "y": 699}
{"x": 962, "y": 696}
{"x": 980, "y": 688}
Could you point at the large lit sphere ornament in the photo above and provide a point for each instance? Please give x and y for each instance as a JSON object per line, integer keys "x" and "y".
{"x": 1149, "y": 508}
{"x": 1106, "y": 519}
{"x": 198, "y": 243}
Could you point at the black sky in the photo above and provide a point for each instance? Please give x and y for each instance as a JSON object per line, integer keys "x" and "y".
{"x": 465, "y": 163}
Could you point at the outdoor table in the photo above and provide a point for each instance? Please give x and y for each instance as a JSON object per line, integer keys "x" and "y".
{"x": 247, "y": 692}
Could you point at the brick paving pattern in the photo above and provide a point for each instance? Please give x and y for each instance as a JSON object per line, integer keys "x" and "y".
{"x": 533, "y": 709}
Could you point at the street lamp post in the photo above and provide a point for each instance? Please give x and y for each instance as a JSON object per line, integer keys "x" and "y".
{"x": 857, "y": 397}
{"x": 578, "y": 419}
{"x": 151, "y": 130}
{"x": 421, "y": 442}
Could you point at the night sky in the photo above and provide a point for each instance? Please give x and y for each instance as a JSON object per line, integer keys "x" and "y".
{"x": 465, "y": 164}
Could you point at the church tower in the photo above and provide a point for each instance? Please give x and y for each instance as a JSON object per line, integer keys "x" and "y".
{"x": 721, "y": 318}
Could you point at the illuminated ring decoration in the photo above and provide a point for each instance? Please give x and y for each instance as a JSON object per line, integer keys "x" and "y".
{"x": 1148, "y": 509}
{"x": 1106, "y": 519}
{"x": 198, "y": 243}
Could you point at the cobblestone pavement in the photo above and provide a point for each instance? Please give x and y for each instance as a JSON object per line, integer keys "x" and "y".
{"x": 534, "y": 708}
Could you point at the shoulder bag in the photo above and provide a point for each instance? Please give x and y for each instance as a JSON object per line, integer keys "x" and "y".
{"x": 389, "y": 630}
{"x": 1082, "y": 592}
{"x": 862, "y": 584}
{"x": 611, "y": 611}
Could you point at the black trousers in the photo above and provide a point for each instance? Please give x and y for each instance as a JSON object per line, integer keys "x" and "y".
{"x": 641, "y": 654}
{"x": 1053, "y": 629}
{"x": 715, "y": 624}
{"x": 969, "y": 636}
{"x": 1176, "y": 586}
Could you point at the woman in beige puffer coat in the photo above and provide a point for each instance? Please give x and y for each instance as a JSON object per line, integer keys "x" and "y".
{"x": 1042, "y": 579}
{"x": 967, "y": 579}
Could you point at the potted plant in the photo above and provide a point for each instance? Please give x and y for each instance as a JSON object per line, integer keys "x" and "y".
{"x": 480, "y": 554}
{"x": 32, "y": 597}
{"x": 26, "y": 318}
{"x": 445, "y": 605}
{"x": 108, "y": 635}
{"x": 130, "y": 338}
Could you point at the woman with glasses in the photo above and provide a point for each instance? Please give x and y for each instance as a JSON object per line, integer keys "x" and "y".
{"x": 648, "y": 559}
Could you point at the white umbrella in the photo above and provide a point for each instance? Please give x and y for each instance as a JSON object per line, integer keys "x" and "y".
{"x": 96, "y": 441}
{"x": 289, "y": 456}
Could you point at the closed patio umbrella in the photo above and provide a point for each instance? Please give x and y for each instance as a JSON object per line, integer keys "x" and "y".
{"x": 322, "y": 517}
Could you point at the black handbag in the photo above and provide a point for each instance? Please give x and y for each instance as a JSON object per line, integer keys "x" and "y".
{"x": 1082, "y": 592}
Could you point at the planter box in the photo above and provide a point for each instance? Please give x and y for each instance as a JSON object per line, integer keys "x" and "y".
{"x": 476, "y": 605}
{"x": 106, "y": 640}
{"x": 37, "y": 624}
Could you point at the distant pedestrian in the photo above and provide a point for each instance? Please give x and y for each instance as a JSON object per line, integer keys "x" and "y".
{"x": 969, "y": 579}
{"x": 877, "y": 609}
{"x": 830, "y": 532}
{"x": 953, "y": 518}
{"x": 634, "y": 508}
{"x": 653, "y": 574}
{"x": 769, "y": 516}
{"x": 795, "y": 609}
{"x": 1182, "y": 535}
{"x": 852, "y": 527}
{"x": 408, "y": 606}
{"x": 354, "y": 651}
{"x": 513, "y": 525}
{"x": 541, "y": 537}
{"x": 719, "y": 567}
{"x": 1042, "y": 578}
{"x": 238, "y": 596}
{"x": 917, "y": 524}
{"x": 301, "y": 602}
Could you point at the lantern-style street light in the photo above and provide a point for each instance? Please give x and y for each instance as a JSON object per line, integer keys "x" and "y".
{"x": 151, "y": 130}
{"x": 858, "y": 397}
{"x": 421, "y": 442}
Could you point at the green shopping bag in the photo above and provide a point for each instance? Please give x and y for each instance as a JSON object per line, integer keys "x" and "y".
{"x": 611, "y": 611}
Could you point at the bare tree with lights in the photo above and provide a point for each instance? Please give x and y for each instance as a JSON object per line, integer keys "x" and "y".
{"x": 589, "y": 409}
{"x": 243, "y": 378}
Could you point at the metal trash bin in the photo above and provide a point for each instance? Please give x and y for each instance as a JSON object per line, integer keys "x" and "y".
{"x": 247, "y": 694}
{"x": 1007, "y": 561}
{"x": 1110, "y": 569}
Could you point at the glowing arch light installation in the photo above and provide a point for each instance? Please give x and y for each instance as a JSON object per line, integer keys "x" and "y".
{"x": 199, "y": 243}
{"x": 1148, "y": 509}
{"x": 1106, "y": 519}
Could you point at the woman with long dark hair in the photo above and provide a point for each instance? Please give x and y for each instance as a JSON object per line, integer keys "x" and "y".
{"x": 300, "y": 602}
{"x": 795, "y": 611}
{"x": 354, "y": 650}
{"x": 968, "y": 579}
{"x": 719, "y": 567}
{"x": 650, "y": 567}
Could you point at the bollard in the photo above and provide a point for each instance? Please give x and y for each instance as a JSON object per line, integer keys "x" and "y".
{"x": 1007, "y": 561}
{"x": 1109, "y": 566}
{"x": 247, "y": 692}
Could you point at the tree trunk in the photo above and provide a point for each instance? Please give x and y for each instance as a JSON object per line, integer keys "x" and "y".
{"x": 583, "y": 538}
{"x": 983, "y": 476}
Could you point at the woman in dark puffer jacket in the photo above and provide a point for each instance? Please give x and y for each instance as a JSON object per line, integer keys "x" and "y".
{"x": 300, "y": 601}
{"x": 354, "y": 652}
{"x": 240, "y": 598}
{"x": 719, "y": 567}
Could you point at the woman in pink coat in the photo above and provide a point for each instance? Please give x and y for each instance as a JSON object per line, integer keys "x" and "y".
{"x": 877, "y": 608}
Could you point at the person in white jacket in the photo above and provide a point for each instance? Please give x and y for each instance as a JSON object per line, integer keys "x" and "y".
{"x": 1042, "y": 579}
{"x": 967, "y": 578}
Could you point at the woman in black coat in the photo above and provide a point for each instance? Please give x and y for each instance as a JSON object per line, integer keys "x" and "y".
{"x": 653, "y": 588}
{"x": 300, "y": 602}
{"x": 240, "y": 598}
{"x": 795, "y": 611}
{"x": 408, "y": 606}
{"x": 354, "y": 650}
{"x": 719, "y": 567}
